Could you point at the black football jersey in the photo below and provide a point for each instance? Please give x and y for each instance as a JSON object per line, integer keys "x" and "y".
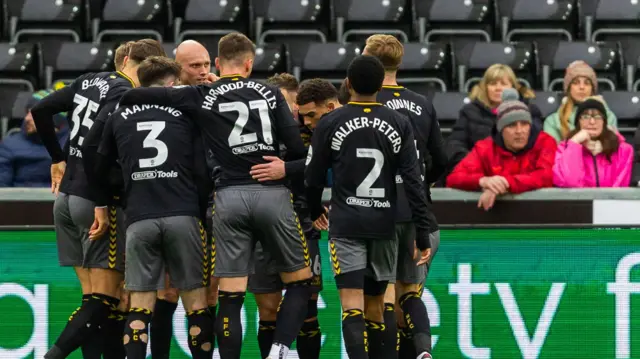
{"x": 428, "y": 140}
{"x": 242, "y": 120}
{"x": 90, "y": 97}
{"x": 155, "y": 147}
{"x": 365, "y": 145}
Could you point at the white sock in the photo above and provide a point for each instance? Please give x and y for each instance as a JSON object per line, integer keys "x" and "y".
{"x": 423, "y": 354}
{"x": 278, "y": 351}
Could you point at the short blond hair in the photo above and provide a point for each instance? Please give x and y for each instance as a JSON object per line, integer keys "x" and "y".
{"x": 121, "y": 52}
{"x": 495, "y": 73}
{"x": 388, "y": 49}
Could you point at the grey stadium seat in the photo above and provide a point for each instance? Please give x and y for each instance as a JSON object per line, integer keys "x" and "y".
{"x": 555, "y": 57}
{"x": 605, "y": 20}
{"x": 626, "y": 107}
{"x": 547, "y": 101}
{"x": 290, "y": 21}
{"x": 474, "y": 58}
{"x": 12, "y": 109}
{"x": 447, "y": 106}
{"x": 425, "y": 67}
{"x": 270, "y": 60}
{"x": 124, "y": 20}
{"x": 447, "y": 20}
{"x": 531, "y": 20}
{"x": 68, "y": 60}
{"x": 199, "y": 18}
{"x": 45, "y": 20}
{"x": 358, "y": 19}
{"x": 329, "y": 61}
{"x": 18, "y": 67}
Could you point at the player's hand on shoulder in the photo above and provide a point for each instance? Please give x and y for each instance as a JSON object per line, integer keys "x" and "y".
{"x": 271, "y": 171}
{"x": 57, "y": 172}
{"x": 100, "y": 223}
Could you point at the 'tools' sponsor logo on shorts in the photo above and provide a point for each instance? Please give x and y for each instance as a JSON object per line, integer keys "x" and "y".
{"x": 145, "y": 175}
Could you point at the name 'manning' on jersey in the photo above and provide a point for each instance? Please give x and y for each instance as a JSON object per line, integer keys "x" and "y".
{"x": 242, "y": 121}
{"x": 90, "y": 96}
{"x": 157, "y": 151}
{"x": 365, "y": 144}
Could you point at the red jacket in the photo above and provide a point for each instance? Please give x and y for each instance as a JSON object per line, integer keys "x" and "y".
{"x": 530, "y": 170}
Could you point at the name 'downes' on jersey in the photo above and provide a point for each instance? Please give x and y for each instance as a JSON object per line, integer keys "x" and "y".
{"x": 251, "y": 139}
{"x": 392, "y": 135}
{"x": 154, "y": 131}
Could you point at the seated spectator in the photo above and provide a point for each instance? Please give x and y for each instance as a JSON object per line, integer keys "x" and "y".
{"x": 595, "y": 155}
{"x": 478, "y": 118}
{"x": 517, "y": 158}
{"x": 24, "y": 161}
{"x": 580, "y": 82}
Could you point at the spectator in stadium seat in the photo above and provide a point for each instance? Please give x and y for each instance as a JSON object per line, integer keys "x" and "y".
{"x": 517, "y": 158}
{"x": 580, "y": 82}
{"x": 595, "y": 155}
{"x": 478, "y": 117}
{"x": 24, "y": 161}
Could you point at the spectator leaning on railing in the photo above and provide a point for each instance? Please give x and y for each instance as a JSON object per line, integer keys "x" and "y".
{"x": 478, "y": 117}
{"x": 595, "y": 155}
{"x": 580, "y": 82}
{"x": 24, "y": 161}
{"x": 517, "y": 158}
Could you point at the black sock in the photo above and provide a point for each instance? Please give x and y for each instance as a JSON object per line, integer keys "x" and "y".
{"x": 162, "y": 328}
{"x": 375, "y": 339}
{"x": 416, "y": 317}
{"x": 228, "y": 324}
{"x": 406, "y": 348}
{"x": 200, "y": 334}
{"x": 92, "y": 348}
{"x": 291, "y": 314}
{"x": 309, "y": 340}
{"x": 354, "y": 332}
{"x": 390, "y": 340}
{"x": 266, "y": 330}
{"x": 82, "y": 325}
{"x": 113, "y": 333}
{"x": 213, "y": 309}
{"x": 136, "y": 334}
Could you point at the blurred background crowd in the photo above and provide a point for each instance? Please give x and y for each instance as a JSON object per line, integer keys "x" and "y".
{"x": 529, "y": 93}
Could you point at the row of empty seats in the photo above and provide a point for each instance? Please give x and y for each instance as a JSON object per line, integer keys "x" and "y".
{"x": 321, "y": 20}
{"x": 427, "y": 67}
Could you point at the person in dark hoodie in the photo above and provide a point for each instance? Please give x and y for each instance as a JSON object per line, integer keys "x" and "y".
{"x": 24, "y": 161}
{"x": 478, "y": 117}
{"x": 517, "y": 157}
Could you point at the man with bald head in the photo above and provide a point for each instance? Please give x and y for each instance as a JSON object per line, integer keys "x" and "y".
{"x": 196, "y": 63}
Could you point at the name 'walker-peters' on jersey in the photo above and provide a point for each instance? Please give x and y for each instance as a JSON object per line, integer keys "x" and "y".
{"x": 89, "y": 100}
{"x": 242, "y": 120}
{"x": 365, "y": 144}
{"x": 162, "y": 158}
{"x": 428, "y": 139}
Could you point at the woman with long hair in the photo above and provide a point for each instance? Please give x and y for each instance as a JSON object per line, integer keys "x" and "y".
{"x": 580, "y": 82}
{"x": 595, "y": 155}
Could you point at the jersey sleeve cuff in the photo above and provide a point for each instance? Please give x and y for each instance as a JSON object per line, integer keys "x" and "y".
{"x": 422, "y": 241}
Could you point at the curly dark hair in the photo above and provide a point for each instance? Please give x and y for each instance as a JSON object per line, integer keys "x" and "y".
{"x": 317, "y": 91}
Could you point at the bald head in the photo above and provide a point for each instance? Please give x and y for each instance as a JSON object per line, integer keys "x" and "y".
{"x": 195, "y": 61}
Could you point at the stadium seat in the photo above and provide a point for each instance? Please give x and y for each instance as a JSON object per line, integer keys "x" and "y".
{"x": 19, "y": 69}
{"x": 447, "y": 106}
{"x": 196, "y": 19}
{"x": 329, "y": 61}
{"x": 473, "y": 59}
{"x": 270, "y": 60}
{"x": 358, "y": 19}
{"x": 290, "y": 22}
{"x": 124, "y": 20}
{"x": 532, "y": 20}
{"x": 555, "y": 57}
{"x": 626, "y": 107}
{"x": 68, "y": 60}
{"x": 547, "y": 101}
{"x": 447, "y": 20}
{"x": 606, "y": 20}
{"x": 425, "y": 67}
{"x": 45, "y": 20}
{"x": 13, "y": 109}
{"x": 170, "y": 49}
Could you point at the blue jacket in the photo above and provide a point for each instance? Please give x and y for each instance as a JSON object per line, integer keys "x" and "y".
{"x": 25, "y": 162}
